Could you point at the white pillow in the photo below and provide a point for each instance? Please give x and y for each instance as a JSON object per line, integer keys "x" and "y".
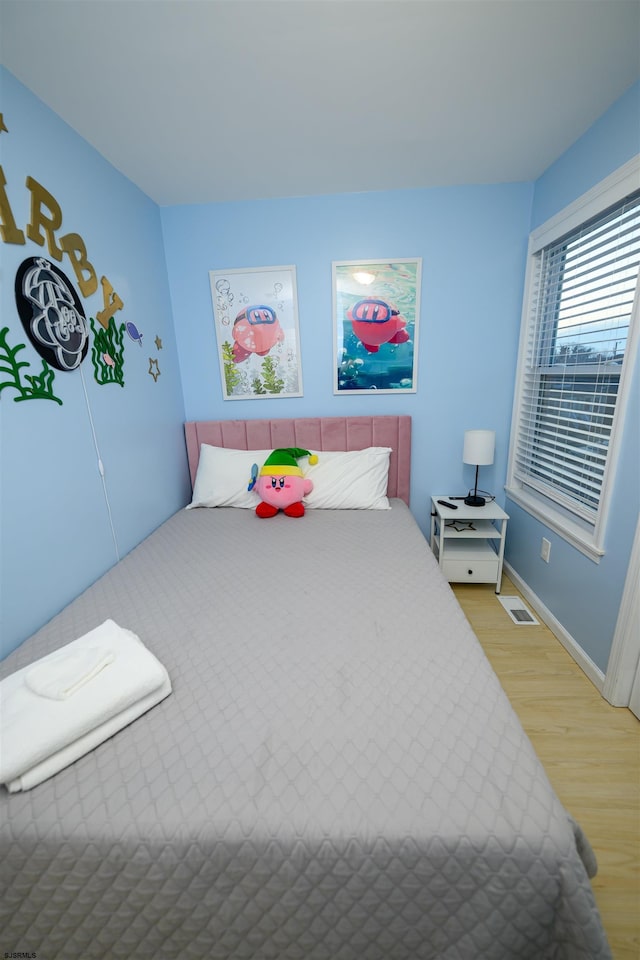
{"x": 352, "y": 480}
{"x": 223, "y": 476}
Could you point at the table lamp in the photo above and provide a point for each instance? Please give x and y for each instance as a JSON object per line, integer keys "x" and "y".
{"x": 479, "y": 447}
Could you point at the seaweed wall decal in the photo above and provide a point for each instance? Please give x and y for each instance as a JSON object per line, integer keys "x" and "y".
{"x": 38, "y": 387}
{"x": 107, "y": 352}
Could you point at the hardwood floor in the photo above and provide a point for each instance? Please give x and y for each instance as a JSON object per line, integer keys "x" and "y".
{"x": 590, "y": 750}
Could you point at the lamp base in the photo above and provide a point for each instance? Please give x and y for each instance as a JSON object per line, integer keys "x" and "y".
{"x": 474, "y": 501}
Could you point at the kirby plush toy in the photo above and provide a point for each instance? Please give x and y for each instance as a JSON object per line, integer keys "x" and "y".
{"x": 281, "y": 484}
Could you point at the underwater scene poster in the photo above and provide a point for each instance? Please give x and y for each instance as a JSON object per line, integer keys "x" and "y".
{"x": 376, "y": 305}
{"x": 256, "y": 320}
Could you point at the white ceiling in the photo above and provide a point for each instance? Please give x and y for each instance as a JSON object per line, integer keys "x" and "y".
{"x": 201, "y": 100}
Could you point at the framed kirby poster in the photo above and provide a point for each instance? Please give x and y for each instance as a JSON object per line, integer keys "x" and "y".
{"x": 376, "y": 306}
{"x": 256, "y": 320}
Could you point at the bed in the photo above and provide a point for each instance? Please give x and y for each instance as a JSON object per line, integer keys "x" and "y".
{"x": 337, "y": 773}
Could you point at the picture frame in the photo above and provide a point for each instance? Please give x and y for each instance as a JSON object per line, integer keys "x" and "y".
{"x": 376, "y": 308}
{"x": 257, "y": 333}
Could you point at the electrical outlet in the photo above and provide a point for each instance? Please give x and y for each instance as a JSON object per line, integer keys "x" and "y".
{"x": 545, "y": 549}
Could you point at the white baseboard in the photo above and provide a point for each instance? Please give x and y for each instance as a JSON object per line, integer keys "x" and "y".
{"x": 584, "y": 661}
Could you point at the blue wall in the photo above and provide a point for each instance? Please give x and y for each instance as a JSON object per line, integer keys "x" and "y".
{"x": 56, "y": 535}
{"x": 55, "y": 529}
{"x": 582, "y": 595}
{"x": 472, "y": 241}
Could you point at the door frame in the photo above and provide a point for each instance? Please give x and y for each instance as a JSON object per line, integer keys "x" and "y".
{"x": 624, "y": 659}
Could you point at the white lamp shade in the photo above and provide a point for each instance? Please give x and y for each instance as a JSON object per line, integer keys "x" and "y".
{"x": 479, "y": 447}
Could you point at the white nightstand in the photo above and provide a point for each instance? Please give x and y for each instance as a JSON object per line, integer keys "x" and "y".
{"x": 468, "y": 543}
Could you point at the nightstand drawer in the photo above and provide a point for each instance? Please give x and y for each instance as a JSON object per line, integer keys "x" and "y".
{"x": 480, "y": 571}
{"x": 471, "y": 561}
{"x": 468, "y": 541}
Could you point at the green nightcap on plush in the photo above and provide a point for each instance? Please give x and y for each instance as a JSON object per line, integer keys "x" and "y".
{"x": 284, "y": 461}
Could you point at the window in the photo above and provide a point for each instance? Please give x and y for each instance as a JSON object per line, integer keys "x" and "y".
{"x": 576, "y": 346}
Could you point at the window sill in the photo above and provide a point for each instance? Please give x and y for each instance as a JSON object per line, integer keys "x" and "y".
{"x": 571, "y": 532}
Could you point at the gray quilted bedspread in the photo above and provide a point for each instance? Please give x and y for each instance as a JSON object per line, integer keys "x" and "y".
{"x": 337, "y": 774}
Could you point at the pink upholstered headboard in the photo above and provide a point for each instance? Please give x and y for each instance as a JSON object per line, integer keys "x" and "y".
{"x": 313, "y": 433}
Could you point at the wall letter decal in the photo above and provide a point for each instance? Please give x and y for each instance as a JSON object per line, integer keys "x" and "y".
{"x": 73, "y": 246}
{"x": 8, "y": 228}
{"x": 112, "y": 302}
{"x": 42, "y": 198}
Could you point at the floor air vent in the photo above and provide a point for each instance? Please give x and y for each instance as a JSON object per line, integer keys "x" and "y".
{"x": 518, "y": 611}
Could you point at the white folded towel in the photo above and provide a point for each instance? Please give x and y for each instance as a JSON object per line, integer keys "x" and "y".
{"x": 35, "y": 727}
{"x": 62, "y": 758}
{"x": 61, "y": 676}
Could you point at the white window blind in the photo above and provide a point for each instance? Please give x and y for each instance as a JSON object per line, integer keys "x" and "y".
{"x": 582, "y": 289}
